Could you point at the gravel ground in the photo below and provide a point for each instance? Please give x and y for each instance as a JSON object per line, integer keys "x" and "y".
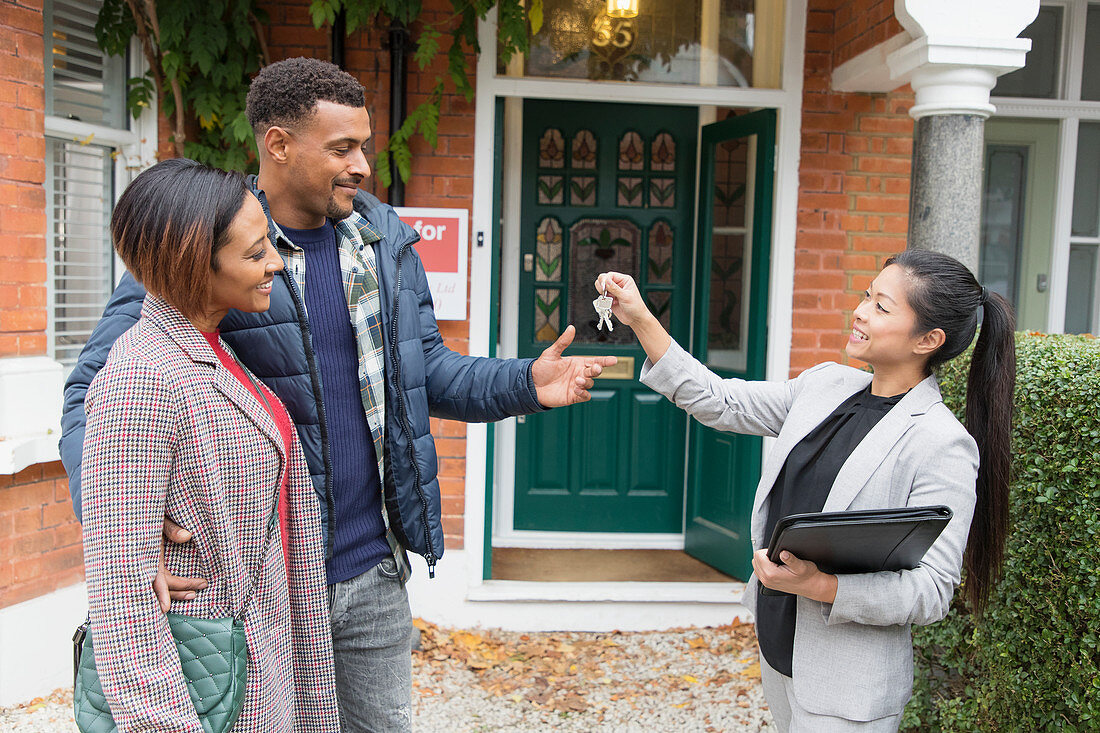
{"x": 41, "y": 715}
{"x": 695, "y": 679}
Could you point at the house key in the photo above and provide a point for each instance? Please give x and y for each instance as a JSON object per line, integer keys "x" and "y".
{"x": 602, "y": 305}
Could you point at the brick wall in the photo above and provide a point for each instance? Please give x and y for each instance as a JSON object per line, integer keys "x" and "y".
{"x": 860, "y": 25}
{"x": 853, "y": 181}
{"x": 39, "y": 537}
{"x": 40, "y": 545}
{"x": 442, "y": 177}
{"x": 22, "y": 174}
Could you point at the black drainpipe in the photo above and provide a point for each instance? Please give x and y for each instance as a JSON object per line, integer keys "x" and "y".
{"x": 399, "y": 80}
{"x": 339, "y": 33}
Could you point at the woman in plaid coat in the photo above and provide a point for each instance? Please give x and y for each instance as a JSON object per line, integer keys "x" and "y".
{"x": 177, "y": 427}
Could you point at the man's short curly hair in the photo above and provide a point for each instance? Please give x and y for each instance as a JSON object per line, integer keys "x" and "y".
{"x": 286, "y": 93}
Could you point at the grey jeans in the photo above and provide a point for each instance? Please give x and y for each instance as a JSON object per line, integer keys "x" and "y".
{"x": 371, "y": 627}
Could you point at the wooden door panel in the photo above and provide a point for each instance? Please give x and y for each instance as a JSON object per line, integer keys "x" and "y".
{"x": 725, "y": 501}
{"x": 654, "y": 463}
{"x": 546, "y": 478}
{"x": 596, "y": 434}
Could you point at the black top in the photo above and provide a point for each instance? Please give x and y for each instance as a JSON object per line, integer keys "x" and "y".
{"x": 803, "y": 486}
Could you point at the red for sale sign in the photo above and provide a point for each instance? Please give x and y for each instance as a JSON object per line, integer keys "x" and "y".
{"x": 442, "y": 249}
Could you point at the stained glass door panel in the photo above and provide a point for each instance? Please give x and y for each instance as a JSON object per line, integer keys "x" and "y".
{"x": 735, "y": 211}
{"x": 605, "y": 187}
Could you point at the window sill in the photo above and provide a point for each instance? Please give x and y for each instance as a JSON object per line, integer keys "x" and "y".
{"x": 30, "y": 411}
{"x": 17, "y": 454}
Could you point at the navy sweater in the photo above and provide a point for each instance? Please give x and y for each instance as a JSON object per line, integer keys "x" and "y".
{"x": 360, "y": 539}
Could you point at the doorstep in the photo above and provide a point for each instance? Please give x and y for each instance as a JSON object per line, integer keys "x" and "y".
{"x": 631, "y": 592}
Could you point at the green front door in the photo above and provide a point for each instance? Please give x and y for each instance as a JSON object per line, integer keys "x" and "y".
{"x": 605, "y": 187}
{"x": 731, "y": 338}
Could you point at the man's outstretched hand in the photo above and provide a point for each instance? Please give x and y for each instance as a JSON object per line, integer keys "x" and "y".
{"x": 565, "y": 380}
{"x": 170, "y": 587}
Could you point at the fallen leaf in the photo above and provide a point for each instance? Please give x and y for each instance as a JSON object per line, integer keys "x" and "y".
{"x": 466, "y": 639}
{"x": 722, "y": 678}
{"x": 539, "y": 698}
{"x": 751, "y": 672}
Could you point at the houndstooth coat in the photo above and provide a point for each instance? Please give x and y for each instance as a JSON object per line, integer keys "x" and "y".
{"x": 172, "y": 432}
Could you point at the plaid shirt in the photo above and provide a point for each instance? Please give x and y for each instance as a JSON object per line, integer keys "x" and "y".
{"x": 172, "y": 432}
{"x": 354, "y": 238}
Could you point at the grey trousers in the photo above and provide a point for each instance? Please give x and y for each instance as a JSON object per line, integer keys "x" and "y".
{"x": 371, "y": 628}
{"x": 790, "y": 717}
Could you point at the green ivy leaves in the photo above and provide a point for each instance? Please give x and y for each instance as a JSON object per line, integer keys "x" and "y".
{"x": 210, "y": 50}
{"x": 359, "y": 13}
{"x": 204, "y": 55}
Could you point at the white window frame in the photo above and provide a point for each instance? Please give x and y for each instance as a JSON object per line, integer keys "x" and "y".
{"x": 136, "y": 148}
{"x": 1070, "y": 110}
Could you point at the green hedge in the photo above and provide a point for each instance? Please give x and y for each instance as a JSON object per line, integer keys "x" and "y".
{"x": 1032, "y": 662}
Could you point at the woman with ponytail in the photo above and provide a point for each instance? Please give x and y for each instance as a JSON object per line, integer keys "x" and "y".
{"x": 836, "y": 652}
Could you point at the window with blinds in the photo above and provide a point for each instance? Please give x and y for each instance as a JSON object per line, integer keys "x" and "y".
{"x": 81, "y": 191}
{"x": 82, "y": 83}
{"x": 84, "y": 86}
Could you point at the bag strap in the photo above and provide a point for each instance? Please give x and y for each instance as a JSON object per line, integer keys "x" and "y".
{"x": 78, "y": 644}
{"x": 273, "y": 519}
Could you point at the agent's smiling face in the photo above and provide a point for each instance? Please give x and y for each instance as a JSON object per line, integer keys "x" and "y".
{"x": 327, "y": 161}
{"x": 884, "y": 326}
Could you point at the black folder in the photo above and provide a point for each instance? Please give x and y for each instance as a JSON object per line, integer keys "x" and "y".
{"x": 863, "y": 541}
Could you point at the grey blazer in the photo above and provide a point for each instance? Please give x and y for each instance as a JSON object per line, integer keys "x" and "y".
{"x": 853, "y": 658}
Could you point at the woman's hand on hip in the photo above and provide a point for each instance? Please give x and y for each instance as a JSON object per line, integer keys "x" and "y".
{"x": 800, "y": 577}
{"x": 166, "y": 586}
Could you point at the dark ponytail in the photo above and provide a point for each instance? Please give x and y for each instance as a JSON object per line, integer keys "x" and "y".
{"x": 945, "y": 294}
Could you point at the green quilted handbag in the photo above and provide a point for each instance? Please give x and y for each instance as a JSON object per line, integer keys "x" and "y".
{"x": 214, "y": 655}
